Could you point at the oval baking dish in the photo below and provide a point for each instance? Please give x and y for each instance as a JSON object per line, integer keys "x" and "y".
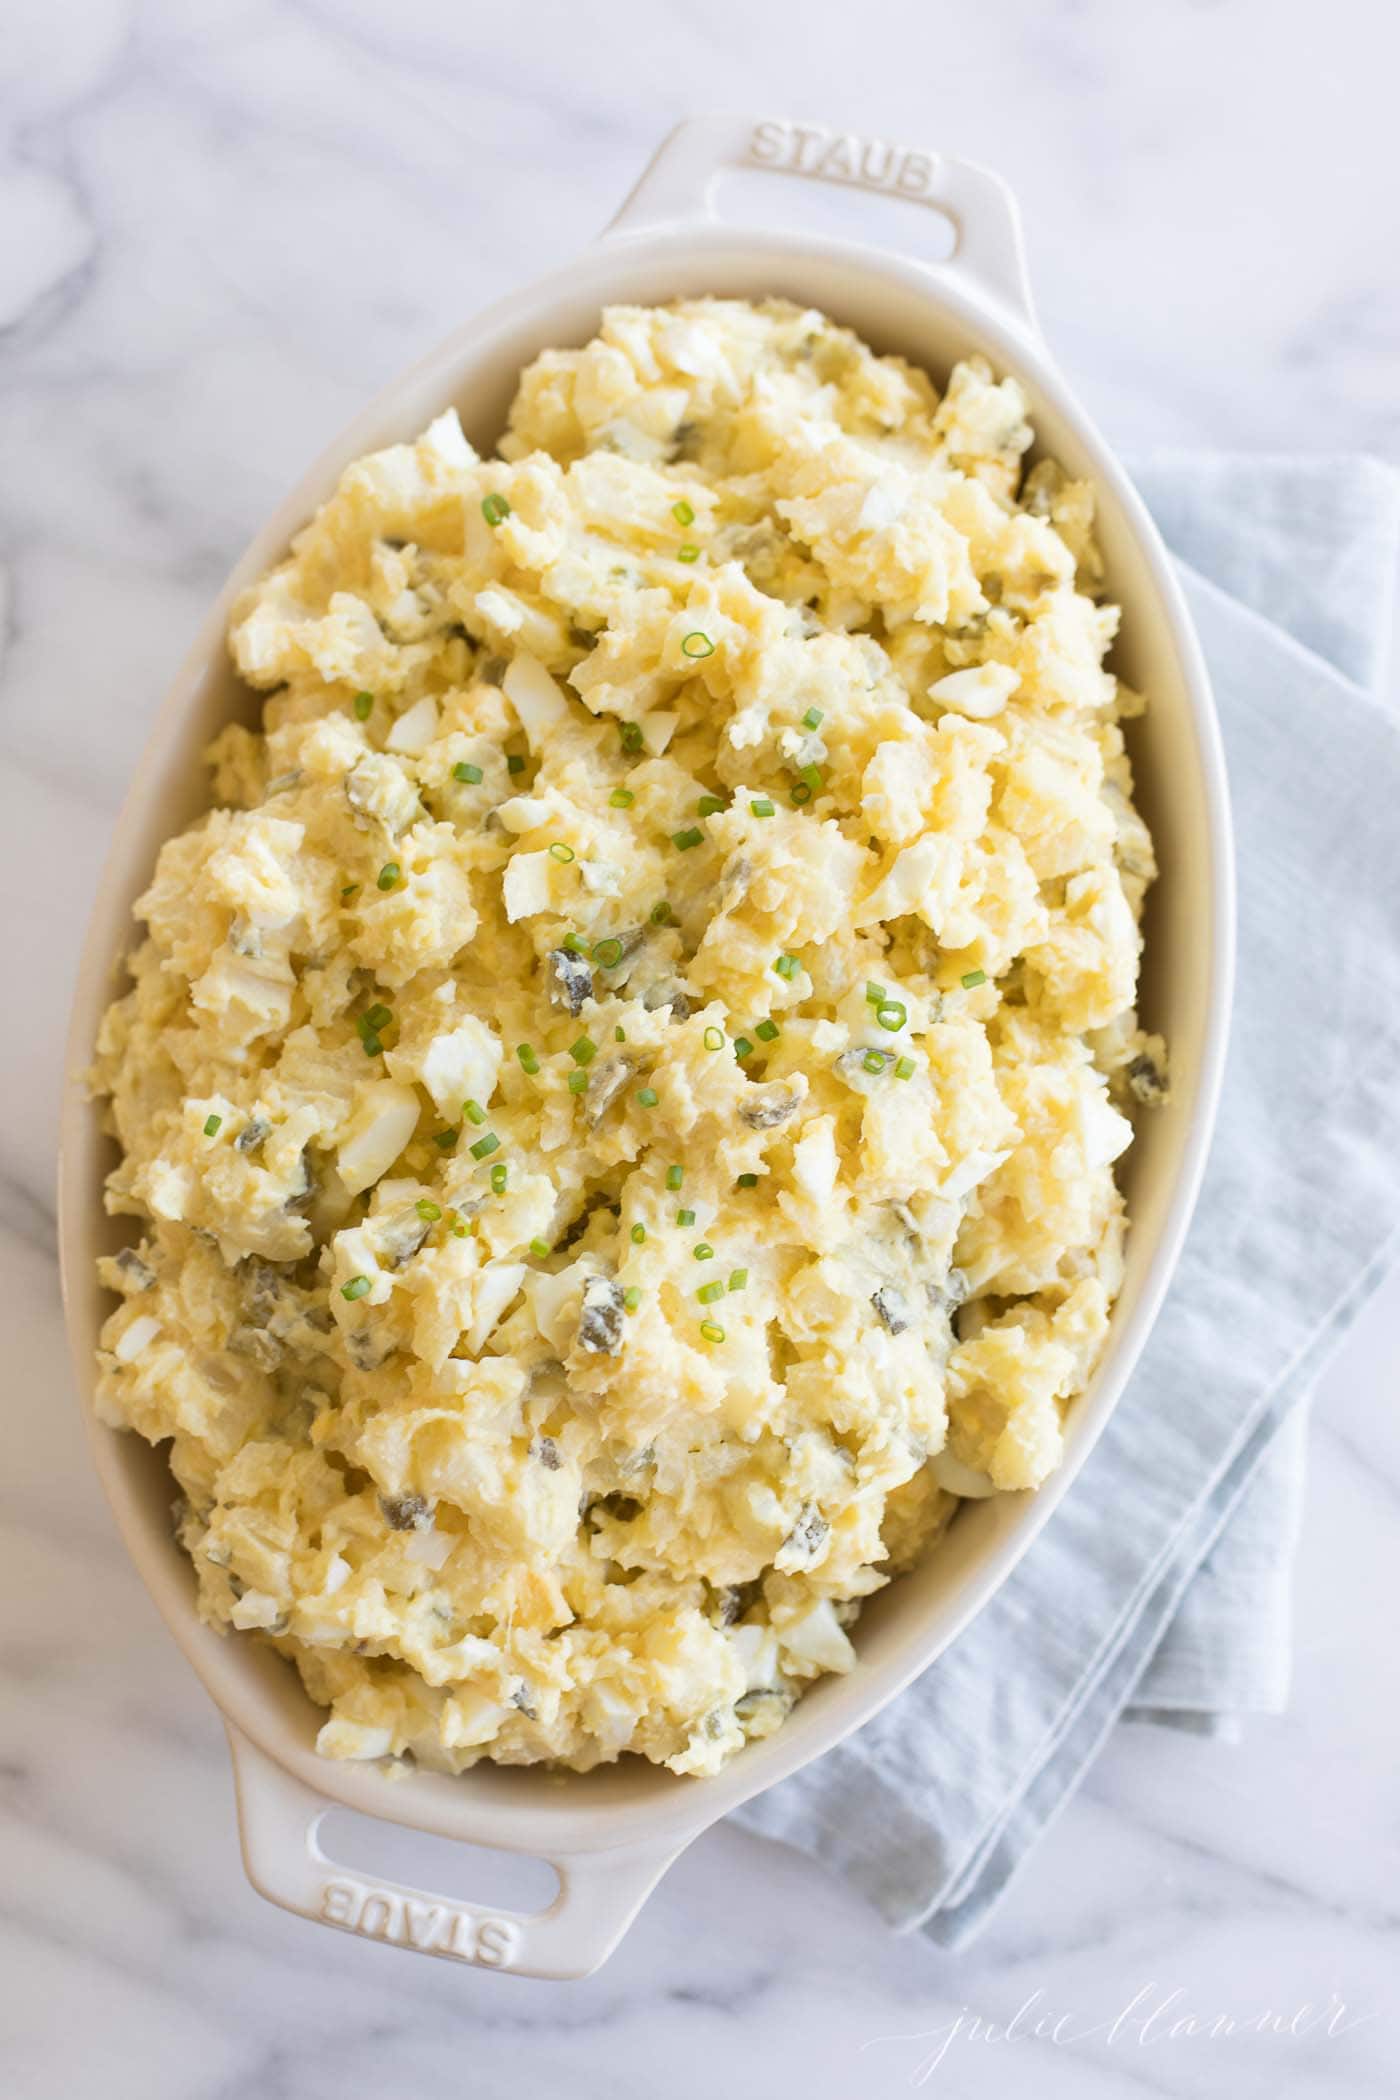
{"x": 612, "y": 1832}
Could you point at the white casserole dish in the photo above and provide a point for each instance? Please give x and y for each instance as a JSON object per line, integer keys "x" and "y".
{"x": 610, "y": 1834}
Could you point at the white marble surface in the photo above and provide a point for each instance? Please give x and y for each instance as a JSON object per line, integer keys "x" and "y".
{"x": 220, "y": 226}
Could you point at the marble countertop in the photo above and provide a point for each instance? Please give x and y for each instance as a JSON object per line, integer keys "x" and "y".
{"x": 220, "y": 228}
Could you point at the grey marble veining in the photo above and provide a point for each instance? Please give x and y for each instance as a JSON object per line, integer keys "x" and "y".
{"x": 223, "y": 225}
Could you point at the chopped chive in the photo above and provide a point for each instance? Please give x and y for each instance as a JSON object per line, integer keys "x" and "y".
{"x": 891, "y": 1014}
{"x": 445, "y": 1139}
{"x": 661, "y": 913}
{"x": 639, "y": 1233}
{"x": 747, "y": 1181}
{"x": 528, "y": 1060}
{"x": 631, "y": 735}
{"x": 355, "y": 1288}
{"x": 742, "y": 1047}
{"x": 211, "y": 1125}
{"x": 714, "y": 1039}
{"x": 874, "y": 1060}
{"x": 473, "y": 1111}
{"x": 583, "y": 1051}
{"x": 560, "y": 852}
{"x": 574, "y": 945}
{"x": 460, "y": 1231}
{"x": 608, "y": 953}
{"x": 682, "y": 513}
{"x": 703, "y": 1251}
{"x": 674, "y": 1177}
{"x": 688, "y": 552}
{"x": 875, "y": 994}
{"x": 812, "y": 777}
{"x": 905, "y": 1068}
{"x": 578, "y": 1082}
{"x": 684, "y": 840}
{"x": 371, "y": 1043}
{"x": 351, "y": 889}
{"x": 469, "y": 775}
{"x": 787, "y": 966}
{"x": 766, "y": 1031}
{"x": 388, "y": 875}
{"x": 973, "y": 979}
{"x": 708, "y": 1292}
{"x": 427, "y": 1210}
{"x": 485, "y": 1146}
{"x": 685, "y": 1217}
{"x": 619, "y": 1033}
{"x": 514, "y": 762}
{"x": 697, "y": 644}
{"x": 621, "y": 798}
{"x": 540, "y": 1248}
{"x": 813, "y": 718}
{"x": 762, "y": 807}
{"x": 494, "y": 509}
{"x": 631, "y": 1297}
{"x": 498, "y": 1178}
{"x": 800, "y": 794}
{"x": 711, "y": 1331}
{"x": 737, "y": 1279}
{"x": 364, "y": 706}
{"x": 648, "y": 1096}
{"x": 378, "y": 1017}
{"x": 708, "y": 805}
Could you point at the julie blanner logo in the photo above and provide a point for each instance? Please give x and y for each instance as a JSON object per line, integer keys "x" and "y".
{"x": 1158, "y": 2017}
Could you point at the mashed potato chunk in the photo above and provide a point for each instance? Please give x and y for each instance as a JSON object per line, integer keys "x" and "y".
{"x": 620, "y": 1093}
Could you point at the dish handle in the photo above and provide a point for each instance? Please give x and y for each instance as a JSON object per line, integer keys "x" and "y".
{"x": 599, "y": 1892}
{"x": 679, "y": 184}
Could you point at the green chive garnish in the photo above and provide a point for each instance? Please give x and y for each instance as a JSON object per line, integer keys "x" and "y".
{"x": 708, "y": 805}
{"x": 540, "y": 1248}
{"x": 742, "y": 1047}
{"x": 351, "y": 889}
{"x": 355, "y": 1288}
{"x": 364, "y": 706}
{"x": 631, "y": 735}
{"x": 621, "y": 798}
{"x": 875, "y": 994}
{"x": 687, "y": 553}
{"x": 485, "y": 1146}
{"x": 874, "y": 1060}
{"x": 697, "y": 644}
{"x": 767, "y": 1030}
{"x": 445, "y": 1139}
{"x": 388, "y": 875}
{"x": 494, "y": 508}
{"x": 528, "y": 1060}
{"x": 787, "y": 966}
{"x": 631, "y": 1297}
{"x": 811, "y": 776}
{"x": 891, "y": 1014}
{"x": 714, "y": 1039}
{"x": 737, "y": 1279}
{"x": 211, "y": 1125}
{"x": 619, "y": 1033}
{"x": 473, "y": 1111}
{"x": 560, "y": 852}
{"x": 703, "y": 1251}
{"x": 682, "y": 513}
{"x": 674, "y": 1177}
{"x": 578, "y": 1081}
{"x": 685, "y": 1217}
{"x": 583, "y": 1051}
{"x": 747, "y": 1181}
{"x": 660, "y": 913}
{"x": 498, "y": 1178}
{"x": 639, "y": 1233}
{"x": 648, "y": 1096}
{"x": 470, "y": 776}
{"x": 763, "y": 807}
{"x": 608, "y": 953}
{"x": 684, "y": 840}
{"x": 905, "y": 1068}
{"x": 711, "y": 1331}
{"x": 801, "y": 793}
{"x": 574, "y": 945}
{"x": 427, "y": 1210}
{"x": 514, "y": 762}
{"x": 813, "y": 718}
{"x": 973, "y": 979}
{"x": 708, "y": 1292}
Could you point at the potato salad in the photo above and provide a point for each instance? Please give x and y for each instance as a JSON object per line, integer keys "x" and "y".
{"x": 620, "y": 1091}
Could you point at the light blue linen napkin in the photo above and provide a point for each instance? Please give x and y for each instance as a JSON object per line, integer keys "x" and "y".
{"x": 1160, "y": 1588}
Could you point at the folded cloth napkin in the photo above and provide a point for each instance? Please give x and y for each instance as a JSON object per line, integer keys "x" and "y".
{"x": 1160, "y": 1586}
